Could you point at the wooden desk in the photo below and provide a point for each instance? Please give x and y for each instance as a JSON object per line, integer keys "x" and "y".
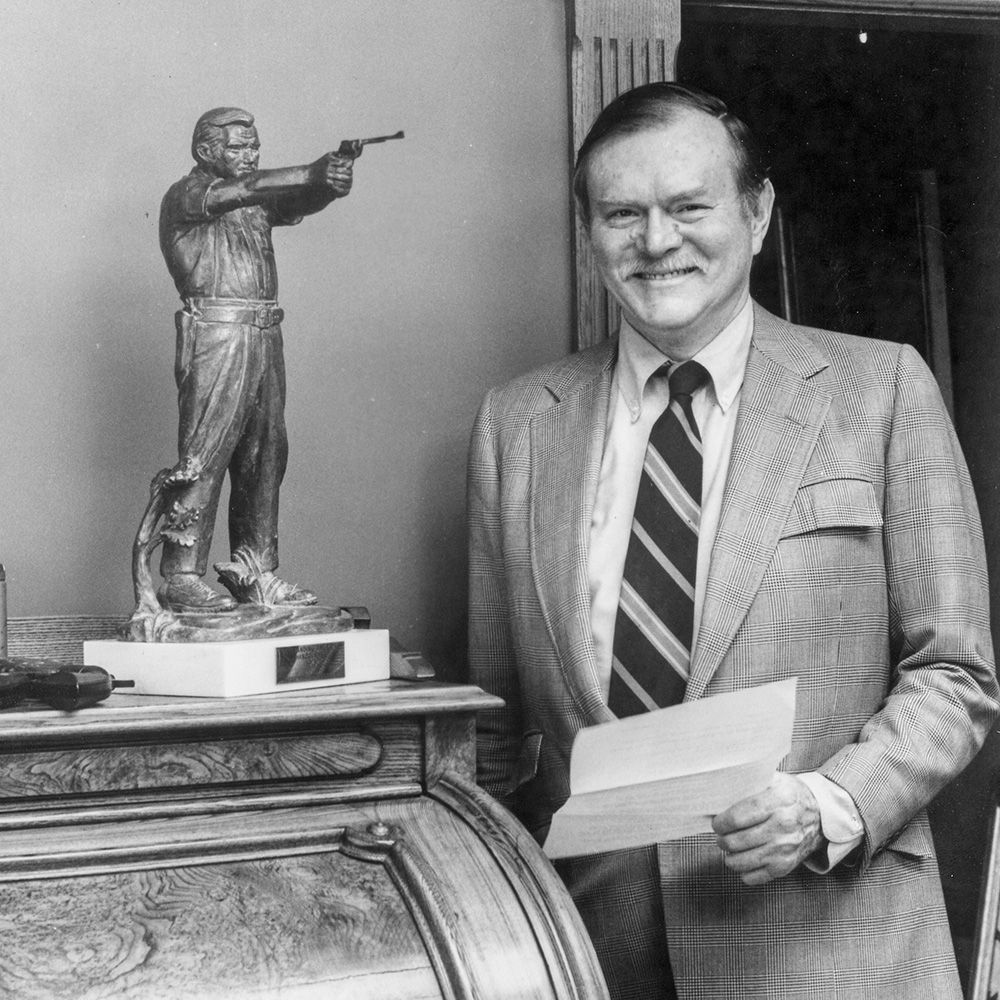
{"x": 311, "y": 844}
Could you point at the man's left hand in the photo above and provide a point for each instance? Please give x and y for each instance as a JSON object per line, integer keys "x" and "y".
{"x": 768, "y": 835}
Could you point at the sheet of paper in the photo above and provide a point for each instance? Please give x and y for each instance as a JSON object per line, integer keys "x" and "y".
{"x": 665, "y": 774}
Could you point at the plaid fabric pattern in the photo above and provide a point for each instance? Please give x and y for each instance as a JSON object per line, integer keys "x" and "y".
{"x": 848, "y": 554}
{"x": 618, "y": 896}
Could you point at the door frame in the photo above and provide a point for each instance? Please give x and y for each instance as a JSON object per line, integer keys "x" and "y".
{"x": 614, "y": 46}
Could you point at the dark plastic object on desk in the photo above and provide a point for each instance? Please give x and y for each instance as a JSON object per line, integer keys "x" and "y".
{"x": 64, "y": 686}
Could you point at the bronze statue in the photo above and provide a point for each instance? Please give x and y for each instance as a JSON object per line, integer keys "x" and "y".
{"x": 215, "y": 235}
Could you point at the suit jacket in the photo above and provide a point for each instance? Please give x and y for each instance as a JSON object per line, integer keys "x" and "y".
{"x": 849, "y": 554}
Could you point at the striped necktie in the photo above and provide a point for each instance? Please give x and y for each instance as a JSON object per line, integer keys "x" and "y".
{"x": 653, "y": 630}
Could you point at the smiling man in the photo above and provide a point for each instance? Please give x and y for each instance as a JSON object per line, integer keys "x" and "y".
{"x": 672, "y": 233}
{"x": 713, "y": 500}
{"x": 215, "y": 235}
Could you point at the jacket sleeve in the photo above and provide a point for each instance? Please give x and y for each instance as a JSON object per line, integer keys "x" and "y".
{"x": 492, "y": 663}
{"x": 942, "y": 697}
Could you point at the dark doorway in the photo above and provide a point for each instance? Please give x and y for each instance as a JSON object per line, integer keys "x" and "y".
{"x": 851, "y": 118}
{"x": 858, "y": 119}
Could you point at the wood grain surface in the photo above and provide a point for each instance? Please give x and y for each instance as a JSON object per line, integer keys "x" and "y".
{"x": 321, "y": 925}
{"x": 302, "y": 845}
{"x": 127, "y": 718}
{"x": 387, "y": 899}
{"x": 183, "y": 764}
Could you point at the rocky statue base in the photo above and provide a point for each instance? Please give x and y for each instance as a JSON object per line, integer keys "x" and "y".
{"x": 226, "y": 669}
{"x": 246, "y": 621}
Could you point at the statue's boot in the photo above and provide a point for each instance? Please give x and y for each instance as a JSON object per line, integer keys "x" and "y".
{"x": 187, "y": 592}
{"x": 287, "y": 595}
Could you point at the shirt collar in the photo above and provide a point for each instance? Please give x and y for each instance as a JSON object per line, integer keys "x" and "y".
{"x": 724, "y": 357}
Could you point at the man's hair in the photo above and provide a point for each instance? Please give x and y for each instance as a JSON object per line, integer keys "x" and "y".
{"x": 211, "y": 126}
{"x": 656, "y": 104}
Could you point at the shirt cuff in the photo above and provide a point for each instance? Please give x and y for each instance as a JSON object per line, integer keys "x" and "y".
{"x": 839, "y": 821}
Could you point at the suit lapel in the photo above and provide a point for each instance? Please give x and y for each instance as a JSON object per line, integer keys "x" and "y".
{"x": 566, "y": 437}
{"x": 782, "y": 408}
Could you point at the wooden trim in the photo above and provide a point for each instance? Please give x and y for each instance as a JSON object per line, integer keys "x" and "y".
{"x": 556, "y": 925}
{"x": 125, "y": 718}
{"x": 935, "y": 288}
{"x": 65, "y": 852}
{"x": 987, "y": 9}
{"x": 613, "y": 47}
{"x": 960, "y": 16}
{"x": 449, "y": 746}
{"x": 208, "y": 803}
{"x": 987, "y": 919}
{"x": 415, "y": 881}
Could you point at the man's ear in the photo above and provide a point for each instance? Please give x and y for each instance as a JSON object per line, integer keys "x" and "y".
{"x": 760, "y": 215}
{"x": 204, "y": 152}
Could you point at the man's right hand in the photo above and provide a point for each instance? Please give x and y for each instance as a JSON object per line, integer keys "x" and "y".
{"x": 333, "y": 172}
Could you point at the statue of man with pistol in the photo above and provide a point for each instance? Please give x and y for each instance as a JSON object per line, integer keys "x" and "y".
{"x": 215, "y": 234}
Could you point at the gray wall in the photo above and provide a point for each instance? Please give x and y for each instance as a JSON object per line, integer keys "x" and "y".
{"x": 445, "y": 271}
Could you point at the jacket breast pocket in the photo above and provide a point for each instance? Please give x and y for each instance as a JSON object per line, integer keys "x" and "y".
{"x": 821, "y": 610}
{"x": 833, "y": 504}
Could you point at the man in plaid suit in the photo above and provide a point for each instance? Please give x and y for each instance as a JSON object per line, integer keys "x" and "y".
{"x": 839, "y": 543}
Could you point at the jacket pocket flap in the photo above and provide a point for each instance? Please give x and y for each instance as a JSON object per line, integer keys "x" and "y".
{"x": 833, "y": 503}
{"x": 526, "y": 766}
{"x": 914, "y": 839}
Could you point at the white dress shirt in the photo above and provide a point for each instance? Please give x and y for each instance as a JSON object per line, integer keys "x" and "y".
{"x": 637, "y": 400}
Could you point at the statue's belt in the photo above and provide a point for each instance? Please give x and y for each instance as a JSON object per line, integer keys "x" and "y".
{"x": 243, "y": 312}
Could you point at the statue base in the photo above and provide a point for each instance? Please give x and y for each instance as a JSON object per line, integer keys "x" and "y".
{"x": 232, "y": 668}
{"x": 246, "y": 621}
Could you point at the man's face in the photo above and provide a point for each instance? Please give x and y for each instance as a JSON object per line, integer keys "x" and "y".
{"x": 237, "y": 154}
{"x": 672, "y": 237}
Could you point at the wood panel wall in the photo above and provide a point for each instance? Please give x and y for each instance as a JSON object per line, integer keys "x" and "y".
{"x": 613, "y": 48}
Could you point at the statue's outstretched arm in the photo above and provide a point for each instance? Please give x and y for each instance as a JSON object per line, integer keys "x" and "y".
{"x": 298, "y": 190}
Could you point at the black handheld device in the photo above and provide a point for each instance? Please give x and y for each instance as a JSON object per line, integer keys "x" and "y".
{"x": 64, "y": 686}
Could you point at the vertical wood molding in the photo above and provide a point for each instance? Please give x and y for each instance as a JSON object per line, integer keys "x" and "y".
{"x": 986, "y": 958}
{"x": 574, "y": 971}
{"x": 614, "y": 46}
{"x": 935, "y": 289}
{"x": 971, "y": 15}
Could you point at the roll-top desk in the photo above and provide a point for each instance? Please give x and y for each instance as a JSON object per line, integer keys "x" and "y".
{"x": 312, "y": 844}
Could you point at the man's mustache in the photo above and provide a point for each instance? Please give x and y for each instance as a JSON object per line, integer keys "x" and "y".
{"x": 661, "y": 265}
